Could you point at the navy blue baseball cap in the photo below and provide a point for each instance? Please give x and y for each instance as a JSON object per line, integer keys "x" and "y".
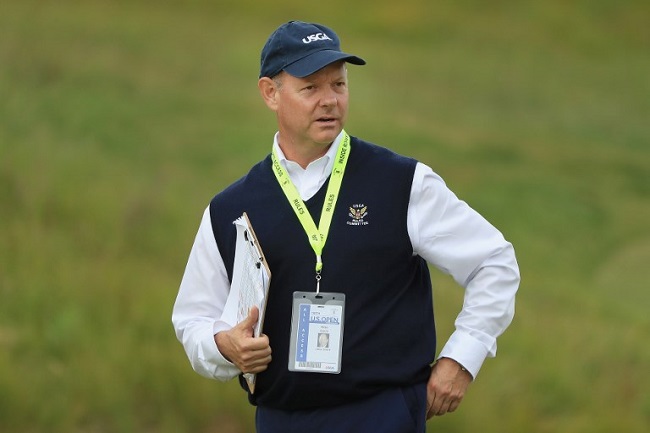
{"x": 301, "y": 49}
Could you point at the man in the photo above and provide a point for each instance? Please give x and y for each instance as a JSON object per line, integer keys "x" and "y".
{"x": 373, "y": 220}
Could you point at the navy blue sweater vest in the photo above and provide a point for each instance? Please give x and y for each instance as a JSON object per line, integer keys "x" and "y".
{"x": 389, "y": 338}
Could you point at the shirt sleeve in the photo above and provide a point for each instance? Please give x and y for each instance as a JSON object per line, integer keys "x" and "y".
{"x": 454, "y": 238}
{"x": 197, "y": 312}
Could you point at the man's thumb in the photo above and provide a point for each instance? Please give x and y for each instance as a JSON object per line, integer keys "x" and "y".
{"x": 251, "y": 320}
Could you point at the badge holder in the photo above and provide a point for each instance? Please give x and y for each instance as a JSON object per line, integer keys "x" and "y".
{"x": 316, "y": 332}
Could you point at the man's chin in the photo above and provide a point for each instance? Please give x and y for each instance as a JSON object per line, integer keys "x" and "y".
{"x": 327, "y": 134}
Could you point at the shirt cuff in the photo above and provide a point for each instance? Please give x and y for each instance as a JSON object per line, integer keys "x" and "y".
{"x": 222, "y": 369}
{"x": 466, "y": 350}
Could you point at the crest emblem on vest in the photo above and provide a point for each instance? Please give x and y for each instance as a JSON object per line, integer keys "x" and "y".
{"x": 358, "y": 213}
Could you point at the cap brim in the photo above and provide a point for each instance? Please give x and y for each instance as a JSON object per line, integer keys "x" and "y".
{"x": 318, "y": 60}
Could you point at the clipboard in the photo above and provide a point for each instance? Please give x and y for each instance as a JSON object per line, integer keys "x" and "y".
{"x": 250, "y": 281}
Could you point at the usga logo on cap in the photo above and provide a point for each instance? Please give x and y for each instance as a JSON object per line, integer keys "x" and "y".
{"x": 316, "y": 37}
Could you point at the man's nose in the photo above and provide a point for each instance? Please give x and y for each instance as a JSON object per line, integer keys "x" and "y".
{"x": 329, "y": 98}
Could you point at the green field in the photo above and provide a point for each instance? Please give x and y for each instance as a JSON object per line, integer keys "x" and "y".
{"x": 119, "y": 120}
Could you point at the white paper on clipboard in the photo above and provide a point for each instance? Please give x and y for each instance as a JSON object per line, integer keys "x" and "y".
{"x": 250, "y": 281}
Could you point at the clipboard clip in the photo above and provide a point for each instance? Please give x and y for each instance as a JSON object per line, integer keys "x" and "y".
{"x": 258, "y": 264}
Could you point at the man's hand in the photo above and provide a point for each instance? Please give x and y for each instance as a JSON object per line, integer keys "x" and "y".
{"x": 446, "y": 387}
{"x": 237, "y": 345}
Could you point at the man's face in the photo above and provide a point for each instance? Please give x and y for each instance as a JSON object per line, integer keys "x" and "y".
{"x": 311, "y": 111}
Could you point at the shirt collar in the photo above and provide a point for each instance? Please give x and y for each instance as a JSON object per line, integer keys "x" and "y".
{"x": 329, "y": 155}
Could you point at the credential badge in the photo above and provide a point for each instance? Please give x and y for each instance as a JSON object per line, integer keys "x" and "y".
{"x": 358, "y": 213}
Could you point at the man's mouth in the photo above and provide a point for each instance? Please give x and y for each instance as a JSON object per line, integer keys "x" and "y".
{"x": 326, "y": 119}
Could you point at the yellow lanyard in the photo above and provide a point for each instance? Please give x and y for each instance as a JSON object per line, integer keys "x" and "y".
{"x": 317, "y": 235}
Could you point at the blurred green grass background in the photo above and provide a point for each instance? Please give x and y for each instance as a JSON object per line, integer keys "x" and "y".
{"x": 120, "y": 119}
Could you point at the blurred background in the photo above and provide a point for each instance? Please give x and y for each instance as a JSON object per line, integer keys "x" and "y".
{"x": 119, "y": 120}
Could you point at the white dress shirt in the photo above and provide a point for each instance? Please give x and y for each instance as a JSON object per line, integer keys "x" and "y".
{"x": 443, "y": 230}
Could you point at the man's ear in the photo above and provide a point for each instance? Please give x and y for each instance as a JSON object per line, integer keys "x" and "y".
{"x": 269, "y": 91}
